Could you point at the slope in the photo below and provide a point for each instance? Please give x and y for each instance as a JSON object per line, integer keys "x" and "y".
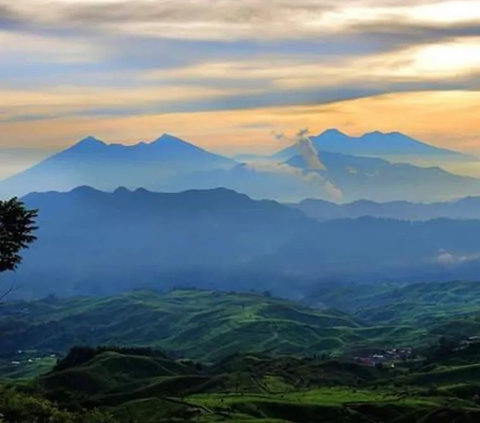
{"x": 253, "y": 388}
{"x": 198, "y": 324}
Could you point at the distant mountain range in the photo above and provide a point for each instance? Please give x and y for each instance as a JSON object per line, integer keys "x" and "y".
{"x": 377, "y": 144}
{"x": 379, "y": 180}
{"x": 465, "y": 208}
{"x": 170, "y": 164}
{"x": 108, "y": 166}
{"x": 92, "y": 242}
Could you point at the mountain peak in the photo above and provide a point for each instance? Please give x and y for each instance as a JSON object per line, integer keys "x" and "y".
{"x": 170, "y": 140}
{"x": 376, "y": 133}
{"x": 89, "y": 141}
{"x": 333, "y": 131}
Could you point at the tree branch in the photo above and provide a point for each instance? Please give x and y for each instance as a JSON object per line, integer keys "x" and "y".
{"x": 7, "y": 292}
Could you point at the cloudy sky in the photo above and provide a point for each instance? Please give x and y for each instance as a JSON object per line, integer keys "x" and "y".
{"x": 226, "y": 73}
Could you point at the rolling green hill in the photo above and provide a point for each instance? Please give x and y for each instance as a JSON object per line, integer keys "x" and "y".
{"x": 203, "y": 356}
{"x": 197, "y": 324}
{"x": 139, "y": 386}
{"x": 418, "y": 304}
{"x": 208, "y": 325}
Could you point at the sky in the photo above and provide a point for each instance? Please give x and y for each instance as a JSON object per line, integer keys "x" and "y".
{"x": 225, "y": 74}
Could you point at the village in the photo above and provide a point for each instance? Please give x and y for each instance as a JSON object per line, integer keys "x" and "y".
{"x": 387, "y": 358}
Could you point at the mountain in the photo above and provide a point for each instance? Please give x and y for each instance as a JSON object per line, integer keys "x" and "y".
{"x": 357, "y": 177}
{"x": 108, "y": 166}
{"x": 128, "y": 239}
{"x": 465, "y": 208}
{"x": 371, "y": 249}
{"x": 379, "y": 180}
{"x": 393, "y": 145}
{"x": 96, "y": 243}
{"x": 172, "y": 165}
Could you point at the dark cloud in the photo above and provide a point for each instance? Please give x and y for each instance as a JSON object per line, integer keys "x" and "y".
{"x": 270, "y": 98}
{"x": 400, "y": 34}
{"x": 8, "y": 17}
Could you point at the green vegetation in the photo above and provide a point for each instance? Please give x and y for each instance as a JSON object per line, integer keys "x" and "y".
{"x": 142, "y": 386}
{"x": 202, "y": 356}
{"x": 200, "y": 325}
{"x": 17, "y": 225}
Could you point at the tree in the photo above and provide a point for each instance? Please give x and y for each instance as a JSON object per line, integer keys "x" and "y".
{"x": 17, "y": 225}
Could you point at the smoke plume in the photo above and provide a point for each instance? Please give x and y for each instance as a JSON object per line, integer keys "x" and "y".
{"x": 308, "y": 151}
{"x": 314, "y": 164}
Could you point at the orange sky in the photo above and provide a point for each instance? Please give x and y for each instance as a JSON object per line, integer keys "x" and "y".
{"x": 446, "y": 119}
{"x": 226, "y": 77}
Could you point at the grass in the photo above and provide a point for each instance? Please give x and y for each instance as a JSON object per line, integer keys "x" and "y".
{"x": 263, "y": 359}
{"x": 144, "y": 388}
{"x": 198, "y": 324}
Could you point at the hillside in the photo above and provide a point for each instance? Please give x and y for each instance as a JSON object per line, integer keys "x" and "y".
{"x": 209, "y": 325}
{"x": 445, "y": 309}
{"x": 136, "y": 386}
{"x": 255, "y": 358}
{"x": 197, "y": 324}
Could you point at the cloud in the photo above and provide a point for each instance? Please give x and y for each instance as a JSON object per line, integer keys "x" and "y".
{"x": 447, "y": 258}
{"x": 152, "y": 58}
{"x": 27, "y": 49}
{"x": 446, "y": 119}
{"x": 442, "y": 63}
{"x": 231, "y": 19}
{"x": 96, "y": 101}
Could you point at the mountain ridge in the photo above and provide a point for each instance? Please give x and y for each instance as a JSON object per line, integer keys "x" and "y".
{"x": 107, "y": 166}
{"x": 375, "y": 144}
{"x": 462, "y": 208}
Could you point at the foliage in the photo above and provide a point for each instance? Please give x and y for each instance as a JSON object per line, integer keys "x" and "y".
{"x": 254, "y": 388}
{"x": 201, "y": 325}
{"x": 17, "y": 225}
{"x": 18, "y": 407}
{"x": 81, "y": 355}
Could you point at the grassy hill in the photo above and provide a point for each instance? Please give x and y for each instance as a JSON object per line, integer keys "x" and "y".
{"x": 141, "y": 387}
{"x": 249, "y": 357}
{"x": 417, "y": 304}
{"x": 197, "y": 324}
{"x": 208, "y": 325}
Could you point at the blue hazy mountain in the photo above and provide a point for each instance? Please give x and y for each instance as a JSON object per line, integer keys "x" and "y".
{"x": 107, "y": 166}
{"x": 465, "y": 208}
{"x": 379, "y": 180}
{"x": 92, "y": 242}
{"x": 357, "y": 177}
{"x": 128, "y": 238}
{"x": 170, "y": 164}
{"x": 393, "y": 145}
